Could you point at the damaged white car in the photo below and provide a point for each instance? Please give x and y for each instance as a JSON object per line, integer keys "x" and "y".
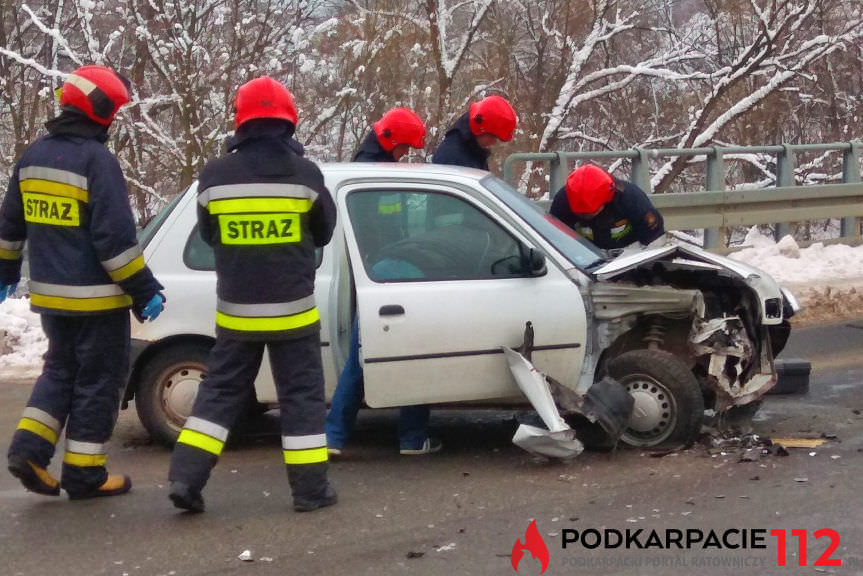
{"x": 679, "y": 328}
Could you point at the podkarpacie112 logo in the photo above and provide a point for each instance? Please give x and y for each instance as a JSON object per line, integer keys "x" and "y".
{"x": 534, "y": 544}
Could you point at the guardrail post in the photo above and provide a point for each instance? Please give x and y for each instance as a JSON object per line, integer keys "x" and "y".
{"x": 507, "y": 169}
{"x": 640, "y": 175}
{"x": 784, "y": 177}
{"x": 715, "y": 182}
{"x": 557, "y": 175}
{"x": 850, "y": 174}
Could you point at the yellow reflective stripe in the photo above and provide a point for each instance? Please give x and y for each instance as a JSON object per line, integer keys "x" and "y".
{"x": 386, "y": 209}
{"x": 129, "y": 269}
{"x": 277, "y": 324}
{"x": 38, "y": 429}
{"x": 54, "y": 189}
{"x": 81, "y": 304}
{"x": 201, "y": 441}
{"x": 84, "y": 460}
{"x": 246, "y": 205}
{"x": 9, "y": 254}
{"x": 620, "y": 231}
{"x": 309, "y": 456}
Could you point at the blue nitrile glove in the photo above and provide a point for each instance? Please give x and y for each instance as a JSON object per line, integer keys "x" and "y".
{"x": 7, "y": 290}
{"x": 153, "y": 308}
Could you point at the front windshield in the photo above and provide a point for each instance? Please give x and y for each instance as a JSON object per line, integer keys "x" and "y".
{"x": 575, "y": 248}
{"x": 146, "y": 234}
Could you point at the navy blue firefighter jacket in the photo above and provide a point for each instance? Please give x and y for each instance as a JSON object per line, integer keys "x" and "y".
{"x": 67, "y": 199}
{"x": 460, "y": 148}
{"x": 629, "y": 217}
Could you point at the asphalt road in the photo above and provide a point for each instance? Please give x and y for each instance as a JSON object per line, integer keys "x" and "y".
{"x": 461, "y": 511}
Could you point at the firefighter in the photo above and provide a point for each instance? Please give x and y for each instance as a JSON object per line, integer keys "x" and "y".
{"x": 67, "y": 198}
{"x": 469, "y": 140}
{"x": 265, "y": 210}
{"x": 611, "y": 213}
{"x": 391, "y": 137}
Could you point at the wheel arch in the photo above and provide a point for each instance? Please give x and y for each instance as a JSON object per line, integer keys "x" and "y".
{"x": 152, "y": 350}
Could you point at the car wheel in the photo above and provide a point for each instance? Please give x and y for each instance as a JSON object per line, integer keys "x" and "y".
{"x": 668, "y": 407}
{"x": 167, "y": 389}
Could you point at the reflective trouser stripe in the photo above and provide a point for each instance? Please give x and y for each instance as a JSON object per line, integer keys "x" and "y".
{"x": 276, "y": 324}
{"x": 304, "y": 442}
{"x": 41, "y": 423}
{"x": 84, "y": 454}
{"x": 201, "y": 441}
{"x": 84, "y": 460}
{"x": 81, "y": 304}
{"x": 38, "y": 428}
{"x": 308, "y": 456}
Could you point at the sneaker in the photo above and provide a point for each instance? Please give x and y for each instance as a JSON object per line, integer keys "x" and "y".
{"x": 114, "y": 485}
{"x": 328, "y": 498}
{"x": 184, "y": 497}
{"x": 334, "y": 451}
{"x": 430, "y": 446}
{"x": 34, "y": 478}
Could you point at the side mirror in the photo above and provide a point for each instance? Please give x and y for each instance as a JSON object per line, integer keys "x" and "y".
{"x": 533, "y": 261}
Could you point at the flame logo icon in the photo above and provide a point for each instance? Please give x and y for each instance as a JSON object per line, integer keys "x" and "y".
{"x": 534, "y": 544}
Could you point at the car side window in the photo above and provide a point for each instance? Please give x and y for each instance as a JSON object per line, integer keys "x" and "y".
{"x": 430, "y": 236}
{"x": 198, "y": 255}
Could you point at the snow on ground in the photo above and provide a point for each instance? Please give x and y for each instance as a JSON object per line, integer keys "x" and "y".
{"x": 828, "y": 281}
{"x": 22, "y": 341}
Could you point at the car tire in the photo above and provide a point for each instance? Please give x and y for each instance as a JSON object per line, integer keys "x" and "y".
{"x": 669, "y": 406}
{"x": 167, "y": 389}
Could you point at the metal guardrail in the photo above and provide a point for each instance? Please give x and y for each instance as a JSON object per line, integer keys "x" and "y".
{"x": 716, "y": 208}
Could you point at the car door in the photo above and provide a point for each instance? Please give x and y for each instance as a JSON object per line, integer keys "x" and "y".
{"x": 441, "y": 285}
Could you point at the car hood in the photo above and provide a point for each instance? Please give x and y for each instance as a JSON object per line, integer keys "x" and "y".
{"x": 768, "y": 291}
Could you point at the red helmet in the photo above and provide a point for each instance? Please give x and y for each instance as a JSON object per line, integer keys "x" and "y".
{"x": 264, "y": 98}
{"x": 96, "y": 91}
{"x": 589, "y": 188}
{"x": 400, "y": 126}
{"x": 493, "y": 115}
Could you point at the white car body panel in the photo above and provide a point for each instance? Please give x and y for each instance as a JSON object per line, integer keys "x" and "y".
{"x": 452, "y": 317}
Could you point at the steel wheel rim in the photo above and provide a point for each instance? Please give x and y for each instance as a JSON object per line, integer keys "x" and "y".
{"x": 177, "y": 393}
{"x": 654, "y": 416}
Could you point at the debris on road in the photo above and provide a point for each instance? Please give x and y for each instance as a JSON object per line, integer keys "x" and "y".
{"x": 246, "y": 556}
{"x": 800, "y": 442}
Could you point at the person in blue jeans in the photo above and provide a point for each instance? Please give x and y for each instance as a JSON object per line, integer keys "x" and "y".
{"x": 390, "y": 139}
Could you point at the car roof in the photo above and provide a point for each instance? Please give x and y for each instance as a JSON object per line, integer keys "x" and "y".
{"x": 343, "y": 170}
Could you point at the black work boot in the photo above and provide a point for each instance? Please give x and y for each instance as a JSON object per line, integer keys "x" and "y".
{"x": 34, "y": 478}
{"x": 310, "y": 488}
{"x": 114, "y": 485}
{"x": 185, "y": 497}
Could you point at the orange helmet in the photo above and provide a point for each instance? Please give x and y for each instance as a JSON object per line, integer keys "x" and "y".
{"x": 589, "y": 188}
{"x": 96, "y": 91}
{"x": 400, "y": 126}
{"x": 493, "y": 115}
{"x": 264, "y": 97}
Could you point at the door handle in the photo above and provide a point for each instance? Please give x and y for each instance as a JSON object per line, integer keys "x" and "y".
{"x": 391, "y": 310}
